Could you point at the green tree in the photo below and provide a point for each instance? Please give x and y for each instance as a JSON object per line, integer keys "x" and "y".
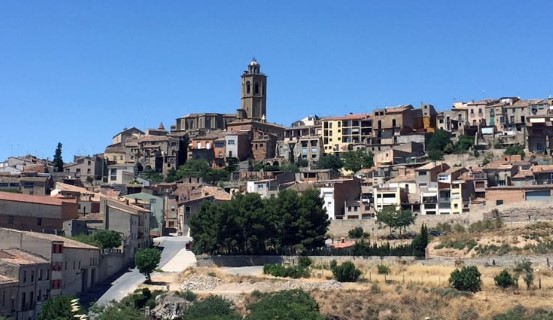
{"x": 199, "y": 168}
{"x": 146, "y": 261}
{"x": 463, "y": 144}
{"x": 58, "y": 160}
{"x": 524, "y": 268}
{"x": 439, "y": 140}
{"x": 346, "y": 272}
{"x": 250, "y": 225}
{"x": 420, "y": 242}
{"x": 514, "y": 150}
{"x": 395, "y": 218}
{"x": 56, "y": 308}
{"x": 504, "y": 279}
{"x": 356, "y": 233}
{"x": 357, "y": 160}
{"x": 107, "y": 239}
{"x": 330, "y": 161}
{"x": 466, "y": 279}
{"x": 435, "y": 154}
{"x": 211, "y": 308}
{"x": 288, "y": 304}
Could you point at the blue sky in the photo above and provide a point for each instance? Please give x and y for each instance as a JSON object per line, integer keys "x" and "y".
{"x": 80, "y": 71}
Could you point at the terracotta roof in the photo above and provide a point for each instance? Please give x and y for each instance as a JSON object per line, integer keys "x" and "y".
{"x": 542, "y": 168}
{"x": 19, "y": 197}
{"x": 115, "y": 148}
{"x": 359, "y": 116}
{"x": 403, "y": 178}
{"x": 217, "y": 192}
{"x": 153, "y": 138}
{"x": 6, "y": 280}
{"x": 523, "y": 174}
{"x": 20, "y": 257}
{"x": 432, "y": 165}
{"x": 68, "y": 243}
{"x": 342, "y": 245}
{"x": 499, "y": 165}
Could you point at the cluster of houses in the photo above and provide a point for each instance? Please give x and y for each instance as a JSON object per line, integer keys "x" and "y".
{"x": 41, "y": 208}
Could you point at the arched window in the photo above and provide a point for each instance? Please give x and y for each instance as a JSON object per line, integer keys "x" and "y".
{"x": 256, "y": 88}
{"x": 248, "y": 87}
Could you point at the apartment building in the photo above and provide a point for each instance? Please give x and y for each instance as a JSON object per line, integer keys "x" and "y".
{"x": 133, "y": 222}
{"x": 32, "y": 275}
{"x": 74, "y": 265}
{"x": 86, "y": 167}
{"x": 390, "y": 124}
{"x": 37, "y": 213}
{"x": 337, "y": 194}
{"x": 341, "y": 134}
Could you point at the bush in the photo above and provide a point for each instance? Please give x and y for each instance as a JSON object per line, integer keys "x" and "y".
{"x": 466, "y": 279}
{"x": 346, "y": 272}
{"x": 288, "y": 304}
{"x": 279, "y": 270}
{"x": 333, "y": 264}
{"x": 304, "y": 262}
{"x": 383, "y": 269}
{"x": 504, "y": 279}
{"x": 188, "y": 295}
{"x": 213, "y": 307}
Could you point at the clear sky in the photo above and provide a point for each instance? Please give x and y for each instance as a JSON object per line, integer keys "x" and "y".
{"x": 78, "y": 72}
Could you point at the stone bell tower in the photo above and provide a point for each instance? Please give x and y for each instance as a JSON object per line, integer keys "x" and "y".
{"x": 254, "y": 92}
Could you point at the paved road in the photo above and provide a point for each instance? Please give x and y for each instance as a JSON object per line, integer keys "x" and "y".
{"x": 173, "y": 249}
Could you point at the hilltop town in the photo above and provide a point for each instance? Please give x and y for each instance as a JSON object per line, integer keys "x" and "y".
{"x": 453, "y": 166}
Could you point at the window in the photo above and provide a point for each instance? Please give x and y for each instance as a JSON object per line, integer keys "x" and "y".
{"x": 24, "y": 276}
{"x": 248, "y": 87}
{"x": 498, "y": 202}
{"x": 422, "y": 173}
{"x": 40, "y": 274}
{"x": 32, "y": 276}
{"x": 256, "y": 88}
{"x": 10, "y": 219}
{"x": 38, "y": 221}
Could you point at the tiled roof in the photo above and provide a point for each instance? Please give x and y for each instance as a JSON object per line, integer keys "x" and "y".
{"x": 432, "y": 165}
{"x": 68, "y": 243}
{"x": 542, "y": 168}
{"x": 359, "y": 116}
{"x": 523, "y": 174}
{"x": 153, "y": 138}
{"x": 18, "y": 197}
{"x": 20, "y": 257}
{"x": 403, "y": 178}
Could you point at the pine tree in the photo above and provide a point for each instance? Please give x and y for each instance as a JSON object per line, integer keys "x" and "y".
{"x": 58, "y": 160}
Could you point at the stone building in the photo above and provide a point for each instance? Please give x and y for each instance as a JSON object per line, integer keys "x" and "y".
{"x": 32, "y": 274}
{"x": 37, "y": 213}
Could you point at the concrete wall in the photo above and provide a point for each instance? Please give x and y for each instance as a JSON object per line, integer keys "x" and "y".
{"x": 110, "y": 264}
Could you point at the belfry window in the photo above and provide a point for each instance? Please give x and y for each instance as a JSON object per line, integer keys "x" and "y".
{"x": 248, "y": 87}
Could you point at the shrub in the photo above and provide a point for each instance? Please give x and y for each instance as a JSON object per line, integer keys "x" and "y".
{"x": 504, "y": 279}
{"x": 278, "y": 270}
{"x": 213, "y": 307}
{"x": 333, "y": 264}
{"x": 287, "y": 304}
{"x": 304, "y": 262}
{"x": 466, "y": 279}
{"x": 346, "y": 272}
{"x": 188, "y": 295}
{"x": 524, "y": 268}
{"x": 383, "y": 269}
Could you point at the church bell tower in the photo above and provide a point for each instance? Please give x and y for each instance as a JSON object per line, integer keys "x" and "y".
{"x": 254, "y": 92}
